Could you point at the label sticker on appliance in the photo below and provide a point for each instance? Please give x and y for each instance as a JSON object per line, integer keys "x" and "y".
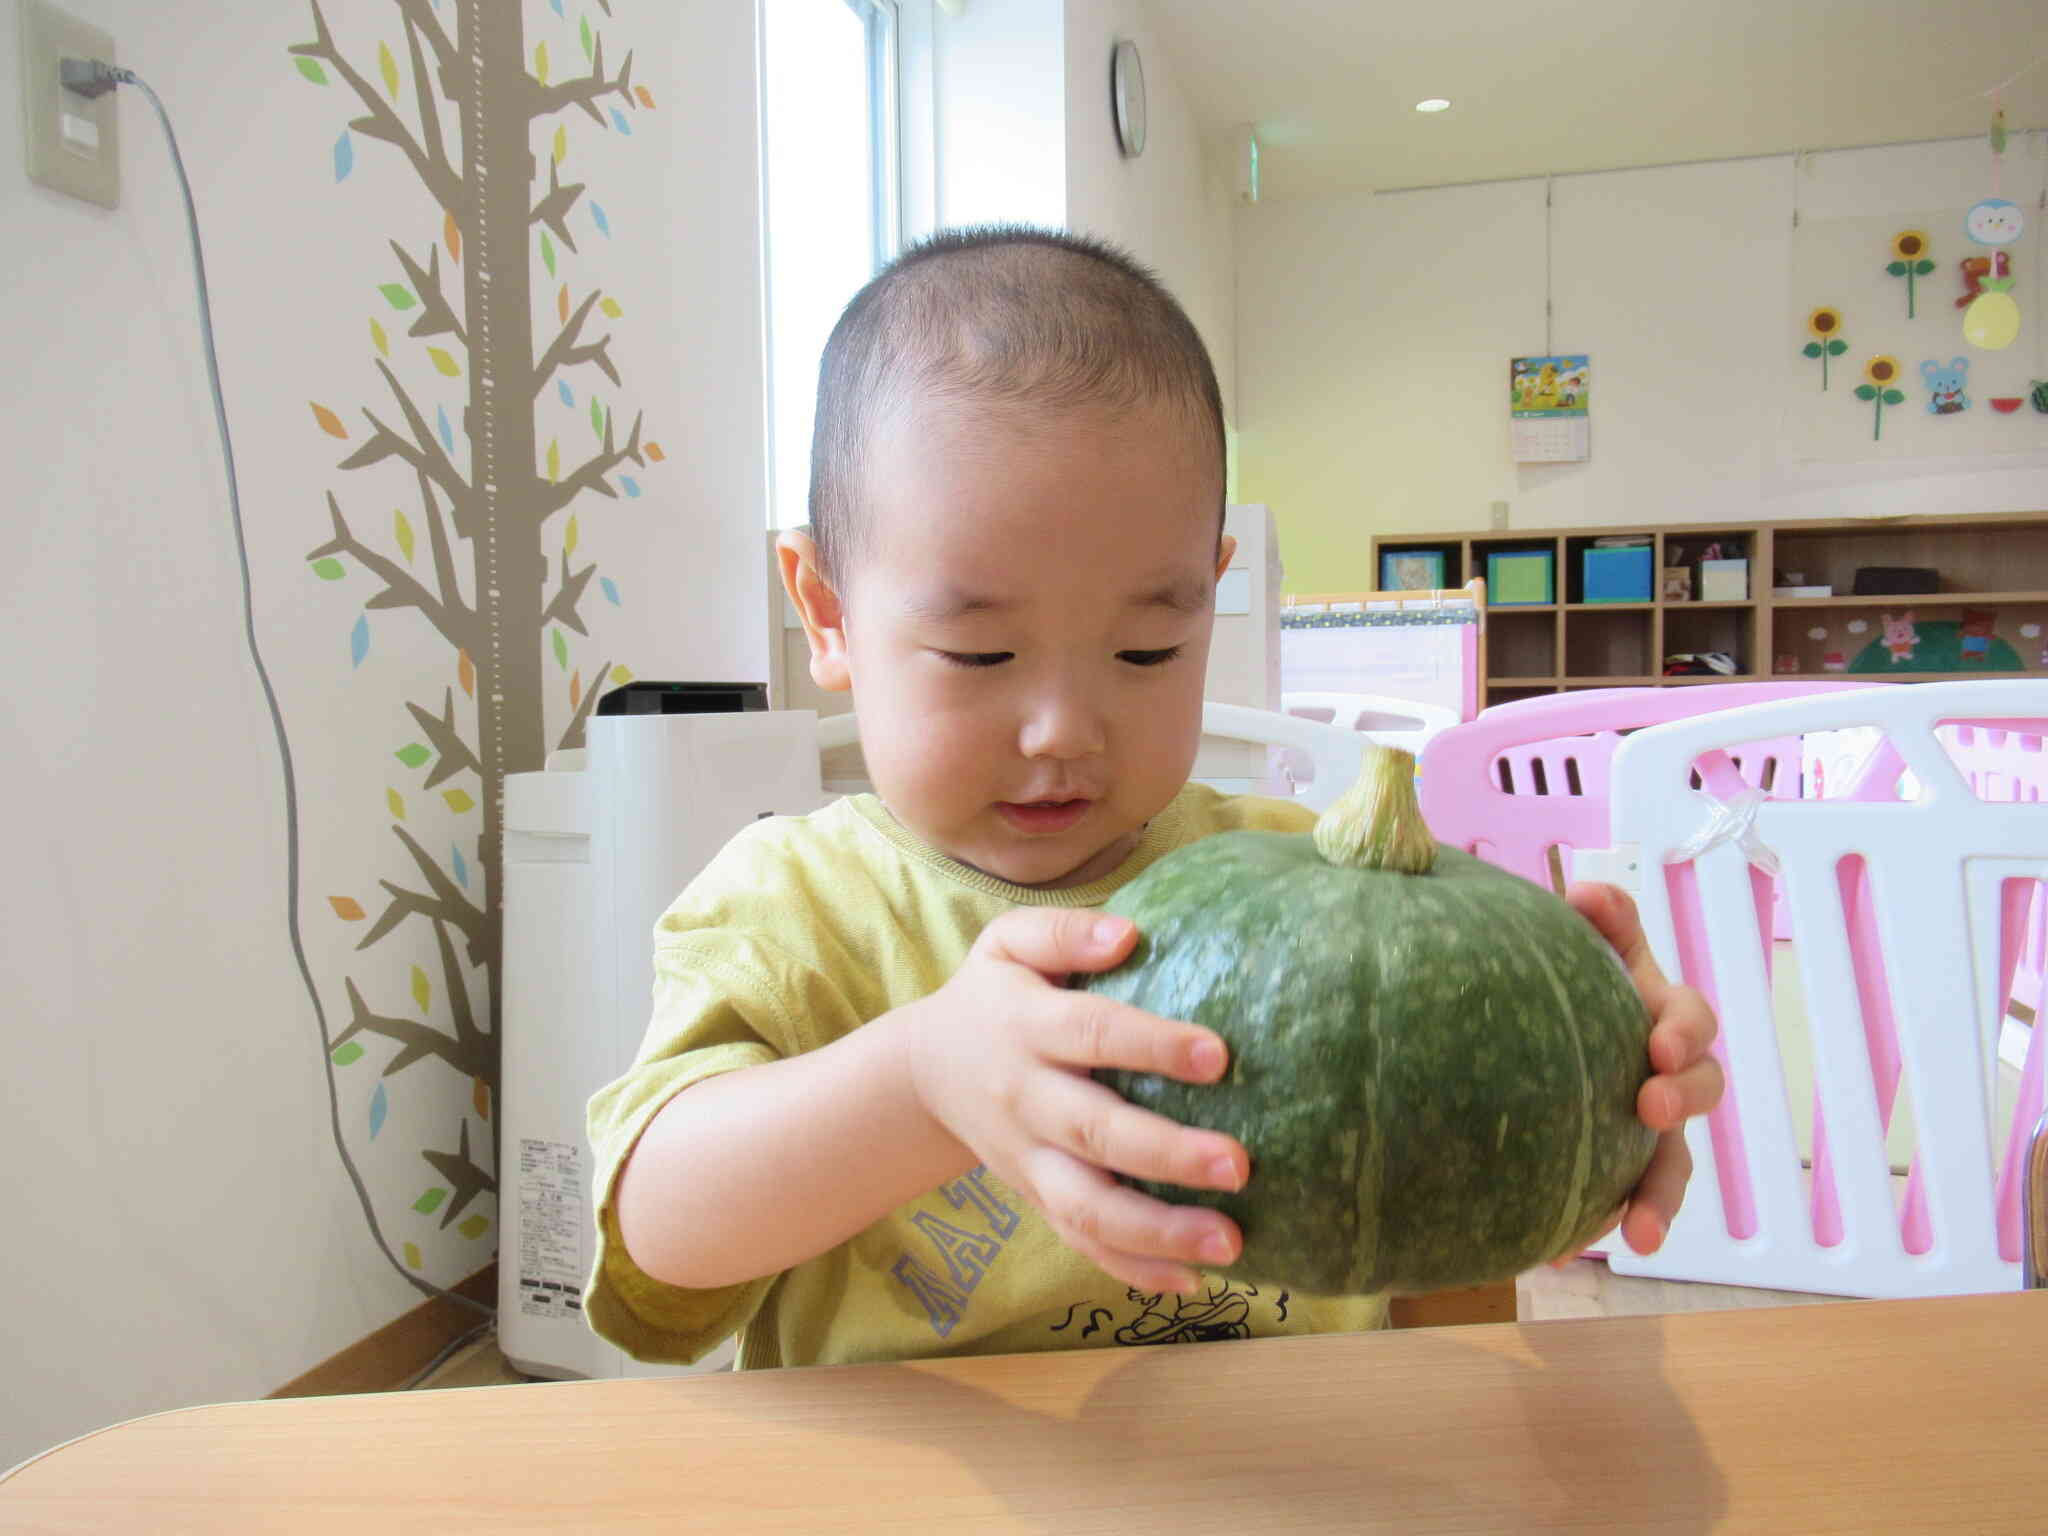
{"x": 552, "y": 1229}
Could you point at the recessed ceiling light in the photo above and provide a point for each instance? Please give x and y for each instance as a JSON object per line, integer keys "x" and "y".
{"x": 1434, "y": 104}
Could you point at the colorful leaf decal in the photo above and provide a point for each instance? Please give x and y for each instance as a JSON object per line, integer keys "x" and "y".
{"x": 447, "y": 434}
{"x": 586, "y": 37}
{"x": 461, "y": 868}
{"x": 632, "y": 486}
{"x": 451, "y": 232}
{"x": 619, "y": 122}
{"x": 380, "y": 1106}
{"x": 396, "y": 802}
{"x": 359, "y": 640}
{"x": 576, "y": 692}
{"x": 347, "y": 908}
{"x": 562, "y": 305}
{"x": 344, "y": 156}
{"x": 554, "y": 460}
{"x": 444, "y": 362}
{"x": 561, "y": 650}
{"x": 597, "y": 418}
{"x": 611, "y": 589}
{"x": 611, "y": 307}
{"x": 473, "y": 1227}
{"x": 557, "y": 4}
{"x": 465, "y": 673}
{"x": 329, "y": 422}
{"x": 404, "y": 531}
{"x": 422, "y": 989}
{"x": 540, "y": 62}
{"x": 604, "y": 225}
{"x": 458, "y": 800}
{"x": 569, "y": 537}
{"x": 654, "y": 452}
{"x": 430, "y": 1202}
{"x": 412, "y": 754}
{"x": 561, "y": 142}
{"x": 621, "y": 676}
{"x": 346, "y": 1055}
{"x": 397, "y": 295}
{"x": 377, "y": 335}
{"x": 387, "y": 66}
{"x": 311, "y": 69}
{"x": 547, "y": 252}
{"x": 412, "y": 1256}
{"x": 568, "y": 395}
{"x": 646, "y": 96}
{"x": 327, "y": 568}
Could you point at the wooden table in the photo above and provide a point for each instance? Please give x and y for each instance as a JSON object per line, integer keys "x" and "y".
{"x": 1859, "y": 1417}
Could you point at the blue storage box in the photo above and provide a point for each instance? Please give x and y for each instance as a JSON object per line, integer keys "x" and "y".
{"x": 1617, "y": 575}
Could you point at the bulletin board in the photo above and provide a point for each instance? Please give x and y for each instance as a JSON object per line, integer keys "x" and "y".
{"x": 1423, "y": 647}
{"x": 1842, "y": 291}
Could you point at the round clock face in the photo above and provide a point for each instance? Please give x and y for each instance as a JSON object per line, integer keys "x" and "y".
{"x": 1127, "y": 95}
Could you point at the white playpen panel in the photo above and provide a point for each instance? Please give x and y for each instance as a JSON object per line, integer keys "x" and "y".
{"x": 1935, "y": 869}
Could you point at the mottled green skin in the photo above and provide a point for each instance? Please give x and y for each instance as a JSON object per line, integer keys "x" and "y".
{"x": 1435, "y": 1075}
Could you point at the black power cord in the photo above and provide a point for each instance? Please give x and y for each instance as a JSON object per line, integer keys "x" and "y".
{"x": 94, "y": 77}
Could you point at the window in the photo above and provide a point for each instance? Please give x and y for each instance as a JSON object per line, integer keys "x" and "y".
{"x": 829, "y": 110}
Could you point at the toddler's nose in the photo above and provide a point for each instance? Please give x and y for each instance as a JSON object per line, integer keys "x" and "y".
{"x": 1062, "y": 726}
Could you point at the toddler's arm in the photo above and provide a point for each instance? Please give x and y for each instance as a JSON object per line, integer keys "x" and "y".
{"x": 757, "y": 1170}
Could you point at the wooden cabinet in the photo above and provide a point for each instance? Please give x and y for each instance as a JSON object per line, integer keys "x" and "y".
{"x": 1987, "y": 618}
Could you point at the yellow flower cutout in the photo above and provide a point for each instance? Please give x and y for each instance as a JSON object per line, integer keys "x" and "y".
{"x": 1910, "y": 244}
{"x": 1823, "y": 323}
{"x": 1882, "y": 371}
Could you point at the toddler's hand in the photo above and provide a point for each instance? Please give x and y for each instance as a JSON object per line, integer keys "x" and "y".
{"x": 1687, "y": 1080}
{"x": 1001, "y": 1057}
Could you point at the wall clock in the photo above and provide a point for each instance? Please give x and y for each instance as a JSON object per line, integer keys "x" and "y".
{"x": 1127, "y": 97}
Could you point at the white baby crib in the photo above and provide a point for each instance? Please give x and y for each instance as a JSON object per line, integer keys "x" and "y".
{"x": 1909, "y": 917}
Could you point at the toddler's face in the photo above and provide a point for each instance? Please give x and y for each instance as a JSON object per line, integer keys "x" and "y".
{"x": 1026, "y": 629}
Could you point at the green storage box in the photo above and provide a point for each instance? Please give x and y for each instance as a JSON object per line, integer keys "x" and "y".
{"x": 1522, "y": 577}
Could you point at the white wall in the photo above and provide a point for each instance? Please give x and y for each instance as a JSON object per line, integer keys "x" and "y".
{"x": 1374, "y": 334}
{"x": 1001, "y": 147}
{"x": 179, "y": 1227}
{"x": 1171, "y": 206}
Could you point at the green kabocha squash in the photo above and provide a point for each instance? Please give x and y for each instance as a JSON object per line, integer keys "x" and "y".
{"x": 1433, "y": 1063}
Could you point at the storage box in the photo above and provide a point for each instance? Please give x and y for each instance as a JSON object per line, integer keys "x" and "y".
{"x": 1724, "y": 581}
{"x": 1616, "y": 575}
{"x": 1519, "y": 578}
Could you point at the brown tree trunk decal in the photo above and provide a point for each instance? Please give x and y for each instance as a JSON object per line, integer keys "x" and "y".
{"x": 501, "y": 505}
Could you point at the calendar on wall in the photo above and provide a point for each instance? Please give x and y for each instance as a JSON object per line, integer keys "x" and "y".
{"x": 1548, "y": 408}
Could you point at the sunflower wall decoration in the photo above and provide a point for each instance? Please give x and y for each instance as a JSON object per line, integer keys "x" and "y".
{"x": 1909, "y": 247}
{"x": 1880, "y": 373}
{"x": 1824, "y": 325}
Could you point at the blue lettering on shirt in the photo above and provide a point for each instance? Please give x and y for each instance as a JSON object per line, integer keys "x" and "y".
{"x": 968, "y": 1255}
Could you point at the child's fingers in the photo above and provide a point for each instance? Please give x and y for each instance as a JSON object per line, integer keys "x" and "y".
{"x": 1144, "y": 1242}
{"x": 1684, "y": 1031}
{"x": 1611, "y": 910}
{"x": 1657, "y": 1196}
{"x": 1057, "y": 941}
{"x": 1088, "y": 1120}
{"x": 1670, "y": 1099}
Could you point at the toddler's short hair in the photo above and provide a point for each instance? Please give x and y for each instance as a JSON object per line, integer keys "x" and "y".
{"x": 1007, "y": 314}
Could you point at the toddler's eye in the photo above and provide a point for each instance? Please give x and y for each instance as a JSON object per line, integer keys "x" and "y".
{"x": 977, "y": 658}
{"x": 1149, "y": 658}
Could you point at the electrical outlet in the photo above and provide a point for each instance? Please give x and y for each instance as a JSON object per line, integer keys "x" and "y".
{"x": 70, "y": 144}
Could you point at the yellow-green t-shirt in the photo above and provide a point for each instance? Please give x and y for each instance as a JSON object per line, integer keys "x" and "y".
{"x": 802, "y": 929}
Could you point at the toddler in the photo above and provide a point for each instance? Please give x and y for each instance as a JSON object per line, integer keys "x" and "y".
{"x": 861, "y": 1125}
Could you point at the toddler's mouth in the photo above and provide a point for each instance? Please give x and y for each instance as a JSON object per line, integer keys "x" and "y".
{"x": 1043, "y": 816}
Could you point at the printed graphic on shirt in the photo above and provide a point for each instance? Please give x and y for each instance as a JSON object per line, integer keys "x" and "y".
{"x": 944, "y": 1273}
{"x": 1225, "y": 1311}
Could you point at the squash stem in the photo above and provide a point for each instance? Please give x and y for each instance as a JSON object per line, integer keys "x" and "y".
{"x": 1378, "y": 824}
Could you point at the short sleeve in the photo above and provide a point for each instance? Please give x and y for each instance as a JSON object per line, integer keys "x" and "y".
{"x": 715, "y": 1010}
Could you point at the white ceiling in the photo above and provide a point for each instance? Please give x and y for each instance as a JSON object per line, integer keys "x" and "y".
{"x": 1576, "y": 85}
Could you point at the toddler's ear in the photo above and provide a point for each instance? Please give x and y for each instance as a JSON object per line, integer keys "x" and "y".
{"x": 1223, "y": 557}
{"x": 819, "y": 607}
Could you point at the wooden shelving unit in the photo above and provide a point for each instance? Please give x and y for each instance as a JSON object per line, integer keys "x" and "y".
{"x": 1991, "y": 565}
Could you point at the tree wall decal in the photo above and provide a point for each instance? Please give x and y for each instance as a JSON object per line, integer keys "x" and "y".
{"x": 474, "y": 318}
